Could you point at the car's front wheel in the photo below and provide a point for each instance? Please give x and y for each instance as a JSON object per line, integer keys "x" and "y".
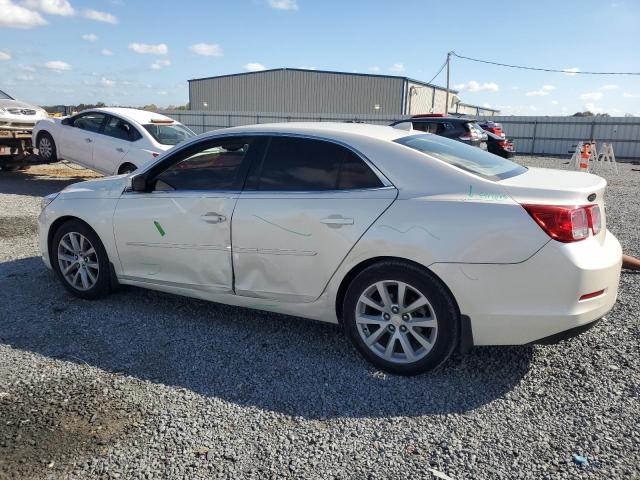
{"x": 80, "y": 260}
{"x": 400, "y": 318}
{"x": 47, "y": 148}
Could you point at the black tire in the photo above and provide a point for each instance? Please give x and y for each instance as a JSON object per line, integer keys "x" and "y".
{"x": 439, "y": 298}
{"x": 12, "y": 168}
{"x": 50, "y": 155}
{"x": 127, "y": 168}
{"x": 101, "y": 286}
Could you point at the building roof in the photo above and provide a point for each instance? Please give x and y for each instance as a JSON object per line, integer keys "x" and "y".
{"x": 419, "y": 82}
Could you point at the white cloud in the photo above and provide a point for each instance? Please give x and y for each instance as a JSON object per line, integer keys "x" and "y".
{"x": 397, "y": 68}
{"x": 16, "y": 16}
{"x": 105, "y": 82}
{"x": 52, "y": 7}
{"x": 486, "y": 105}
{"x": 144, "y": 48}
{"x": 284, "y": 4}
{"x": 57, "y": 66}
{"x": 591, "y": 96}
{"x": 537, "y": 93}
{"x": 254, "y": 67}
{"x": 515, "y": 88}
{"x": 90, "y": 37}
{"x": 548, "y": 88}
{"x": 592, "y": 108}
{"x": 609, "y": 87}
{"x": 207, "y": 49}
{"x": 375, "y": 68}
{"x": 571, "y": 71}
{"x": 25, "y": 77}
{"x": 160, "y": 64}
{"x": 27, "y": 68}
{"x": 100, "y": 16}
{"x": 631, "y": 95}
{"x": 473, "y": 86}
{"x": 554, "y": 102}
{"x": 4, "y": 56}
{"x": 304, "y": 67}
{"x": 106, "y": 52}
{"x": 163, "y": 92}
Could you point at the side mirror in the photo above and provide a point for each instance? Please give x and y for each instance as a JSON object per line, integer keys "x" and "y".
{"x": 65, "y": 121}
{"x": 138, "y": 183}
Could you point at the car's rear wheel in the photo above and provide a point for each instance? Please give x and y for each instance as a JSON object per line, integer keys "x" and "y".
{"x": 47, "y": 148}
{"x": 127, "y": 168}
{"x": 400, "y": 318}
{"x": 80, "y": 260}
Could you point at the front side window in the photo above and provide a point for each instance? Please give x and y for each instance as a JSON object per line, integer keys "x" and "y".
{"x": 120, "y": 129}
{"x": 169, "y": 134}
{"x": 216, "y": 166}
{"x": 466, "y": 157}
{"x": 90, "y": 121}
{"x": 300, "y": 164}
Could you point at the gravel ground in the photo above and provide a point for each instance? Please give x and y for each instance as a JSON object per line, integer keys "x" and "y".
{"x": 149, "y": 385}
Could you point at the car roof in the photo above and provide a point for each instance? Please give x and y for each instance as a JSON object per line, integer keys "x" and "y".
{"x": 440, "y": 119}
{"x": 329, "y": 129}
{"x": 133, "y": 114}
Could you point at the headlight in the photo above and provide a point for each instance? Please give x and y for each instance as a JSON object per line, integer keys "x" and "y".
{"x": 47, "y": 200}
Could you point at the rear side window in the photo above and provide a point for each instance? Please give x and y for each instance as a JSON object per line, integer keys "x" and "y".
{"x": 300, "y": 164}
{"x": 120, "y": 129}
{"x": 466, "y": 157}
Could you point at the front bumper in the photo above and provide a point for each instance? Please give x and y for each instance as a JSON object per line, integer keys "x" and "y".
{"x": 514, "y": 304}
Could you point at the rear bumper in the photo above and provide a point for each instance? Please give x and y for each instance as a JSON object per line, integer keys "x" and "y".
{"x": 514, "y": 304}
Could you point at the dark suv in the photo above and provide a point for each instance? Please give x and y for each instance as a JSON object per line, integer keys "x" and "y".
{"x": 465, "y": 130}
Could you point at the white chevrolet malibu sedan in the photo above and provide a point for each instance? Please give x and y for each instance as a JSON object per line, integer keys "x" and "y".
{"x": 418, "y": 245}
{"x": 108, "y": 140}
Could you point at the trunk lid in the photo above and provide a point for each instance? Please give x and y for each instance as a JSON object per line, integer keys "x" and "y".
{"x": 544, "y": 186}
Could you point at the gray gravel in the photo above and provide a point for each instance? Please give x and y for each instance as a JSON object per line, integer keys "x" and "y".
{"x": 148, "y": 385}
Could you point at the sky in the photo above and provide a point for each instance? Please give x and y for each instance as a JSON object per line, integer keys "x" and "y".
{"x": 137, "y": 52}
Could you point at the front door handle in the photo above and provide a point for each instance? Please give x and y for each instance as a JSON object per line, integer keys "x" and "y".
{"x": 213, "y": 217}
{"x": 121, "y": 150}
{"x": 88, "y": 140}
{"x": 336, "y": 221}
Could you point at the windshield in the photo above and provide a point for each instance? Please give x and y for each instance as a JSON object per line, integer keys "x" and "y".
{"x": 466, "y": 157}
{"x": 4, "y": 96}
{"x": 171, "y": 134}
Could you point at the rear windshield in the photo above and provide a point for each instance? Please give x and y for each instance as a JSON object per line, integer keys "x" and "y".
{"x": 171, "y": 134}
{"x": 466, "y": 157}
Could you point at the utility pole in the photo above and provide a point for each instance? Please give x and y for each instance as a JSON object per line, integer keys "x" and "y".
{"x": 446, "y": 107}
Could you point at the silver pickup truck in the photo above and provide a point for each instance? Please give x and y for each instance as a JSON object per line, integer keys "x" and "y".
{"x": 16, "y": 123}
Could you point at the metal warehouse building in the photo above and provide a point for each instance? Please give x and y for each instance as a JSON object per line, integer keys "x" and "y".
{"x": 322, "y": 92}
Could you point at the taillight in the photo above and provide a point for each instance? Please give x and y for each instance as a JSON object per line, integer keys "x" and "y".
{"x": 565, "y": 224}
{"x": 466, "y": 137}
{"x": 595, "y": 219}
{"x": 503, "y": 144}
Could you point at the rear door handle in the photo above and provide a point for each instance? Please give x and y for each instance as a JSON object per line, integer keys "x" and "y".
{"x": 88, "y": 140}
{"x": 336, "y": 221}
{"x": 121, "y": 150}
{"x": 213, "y": 217}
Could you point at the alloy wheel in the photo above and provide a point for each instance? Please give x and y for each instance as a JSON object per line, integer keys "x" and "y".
{"x": 396, "y": 321}
{"x": 78, "y": 261}
{"x": 45, "y": 149}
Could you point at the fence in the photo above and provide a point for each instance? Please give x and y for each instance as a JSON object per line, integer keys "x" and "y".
{"x": 558, "y": 135}
{"x": 531, "y": 135}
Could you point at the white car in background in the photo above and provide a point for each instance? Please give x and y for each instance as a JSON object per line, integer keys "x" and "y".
{"x": 108, "y": 140}
{"x": 416, "y": 243}
{"x": 17, "y": 115}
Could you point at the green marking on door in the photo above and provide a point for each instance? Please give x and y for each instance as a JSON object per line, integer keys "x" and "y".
{"x": 159, "y": 227}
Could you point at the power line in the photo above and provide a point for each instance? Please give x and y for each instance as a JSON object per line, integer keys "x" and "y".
{"x": 439, "y": 72}
{"x": 553, "y": 70}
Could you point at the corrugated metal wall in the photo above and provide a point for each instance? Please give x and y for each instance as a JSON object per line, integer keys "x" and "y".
{"x": 204, "y": 121}
{"x": 557, "y": 135}
{"x": 300, "y": 91}
{"x": 424, "y": 99}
